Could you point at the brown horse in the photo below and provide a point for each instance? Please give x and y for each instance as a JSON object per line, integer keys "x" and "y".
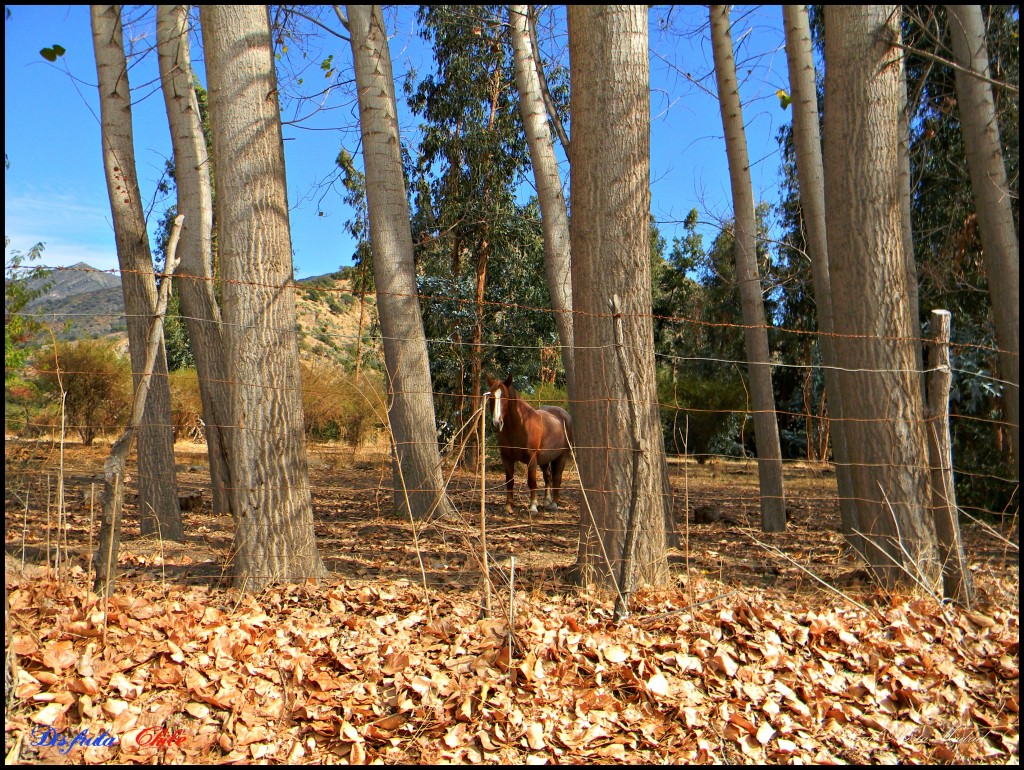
{"x": 538, "y": 437}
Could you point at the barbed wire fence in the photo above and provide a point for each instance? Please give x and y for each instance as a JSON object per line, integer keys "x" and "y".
{"x": 720, "y": 477}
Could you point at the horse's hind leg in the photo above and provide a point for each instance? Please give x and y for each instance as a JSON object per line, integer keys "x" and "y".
{"x": 546, "y": 470}
{"x": 556, "y": 482}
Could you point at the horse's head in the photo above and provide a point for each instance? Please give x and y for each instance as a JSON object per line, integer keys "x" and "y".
{"x": 502, "y": 393}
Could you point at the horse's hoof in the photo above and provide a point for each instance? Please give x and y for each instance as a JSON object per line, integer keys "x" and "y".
{"x": 509, "y": 509}
{"x": 551, "y": 506}
{"x": 533, "y": 509}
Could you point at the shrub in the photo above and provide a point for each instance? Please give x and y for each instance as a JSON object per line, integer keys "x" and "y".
{"x": 186, "y": 405}
{"x": 339, "y": 409}
{"x": 97, "y": 380}
{"x": 713, "y": 407}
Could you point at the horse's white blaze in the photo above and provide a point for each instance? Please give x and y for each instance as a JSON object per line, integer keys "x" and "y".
{"x": 497, "y": 410}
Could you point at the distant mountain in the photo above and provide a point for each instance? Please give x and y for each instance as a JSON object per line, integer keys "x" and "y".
{"x": 81, "y": 301}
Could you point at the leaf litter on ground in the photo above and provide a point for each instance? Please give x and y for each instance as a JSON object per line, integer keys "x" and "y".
{"x": 362, "y": 672}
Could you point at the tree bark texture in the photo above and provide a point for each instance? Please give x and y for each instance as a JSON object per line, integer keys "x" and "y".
{"x": 755, "y": 333}
{"x": 274, "y": 537}
{"x": 411, "y": 415}
{"x": 910, "y": 264}
{"x": 554, "y": 216}
{"x": 195, "y": 274}
{"x": 811, "y": 179}
{"x": 619, "y": 450}
{"x": 159, "y": 511}
{"x": 999, "y": 236}
{"x": 881, "y": 390}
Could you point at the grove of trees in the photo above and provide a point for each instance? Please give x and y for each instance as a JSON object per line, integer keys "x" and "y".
{"x": 797, "y": 333}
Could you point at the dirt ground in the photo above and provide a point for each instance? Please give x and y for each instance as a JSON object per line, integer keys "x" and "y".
{"x": 359, "y": 539}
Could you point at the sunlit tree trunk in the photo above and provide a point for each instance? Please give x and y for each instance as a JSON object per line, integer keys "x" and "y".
{"x": 411, "y": 416}
{"x": 619, "y": 452}
{"x": 274, "y": 537}
{"x": 991, "y": 200}
{"x": 807, "y": 142}
{"x": 755, "y": 333}
{"x": 881, "y": 389}
{"x": 195, "y": 273}
{"x": 158, "y": 485}
{"x": 554, "y": 217}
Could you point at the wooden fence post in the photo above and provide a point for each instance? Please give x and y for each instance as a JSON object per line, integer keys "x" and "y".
{"x": 956, "y": 577}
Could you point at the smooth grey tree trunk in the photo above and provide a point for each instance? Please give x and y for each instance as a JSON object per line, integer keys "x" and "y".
{"x": 999, "y": 236}
{"x": 554, "y": 216}
{"x": 619, "y": 449}
{"x": 811, "y": 180}
{"x": 195, "y": 274}
{"x": 274, "y": 537}
{"x": 159, "y": 511}
{"x": 755, "y": 333}
{"x": 418, "y": 484}
{"x": 881, "y": 389}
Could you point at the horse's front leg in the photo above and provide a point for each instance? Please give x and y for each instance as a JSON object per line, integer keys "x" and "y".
{"x": 510, "y": 480}
{"x": 531, "y": 480}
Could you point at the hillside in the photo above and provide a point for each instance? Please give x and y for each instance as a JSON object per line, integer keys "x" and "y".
{"x": 82, "y": 302}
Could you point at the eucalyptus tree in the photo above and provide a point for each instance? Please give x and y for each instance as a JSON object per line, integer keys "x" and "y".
{"x": 619, "y": 452}
{"x": 766, "y": 426}
{"x": 158, "y": 485}
{"x": 471, "y": 157}
{"x": 274, "y": 537}
{"x": 881, "y": 391}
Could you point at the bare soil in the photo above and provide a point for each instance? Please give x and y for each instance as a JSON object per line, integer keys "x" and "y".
{"x": 359, "y": 538}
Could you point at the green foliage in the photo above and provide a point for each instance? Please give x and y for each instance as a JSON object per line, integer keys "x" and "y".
{"x": 176, "y": 339}
{"x": 337, "y": 408}
{"x": 96, "y": 379}
{"x": 701, "y": 415}
{"x": 52, "y": 53}
{"x": 947, "y": 243}
{"x": 466, "y": 217}
{"x": 21, "y": 286}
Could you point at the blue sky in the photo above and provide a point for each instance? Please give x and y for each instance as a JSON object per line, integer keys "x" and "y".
{"x": 54, "y": 189}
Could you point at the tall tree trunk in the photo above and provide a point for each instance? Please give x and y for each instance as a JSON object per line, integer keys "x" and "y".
{"x": 195, "y": 274}
{"x": 999, "y": 236}
{"x": 159, "y": 511}
{"x": 755, "y": 335}
{"x": 910, "y": 264}
{"x": 881, "y": 389}
{"x": 274, "y": 537}
{"x": 405, "y": 347}
{"x": 554, "y": 217}
{"x": 620, "y": 454}
{"x": 807, "y": 141}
